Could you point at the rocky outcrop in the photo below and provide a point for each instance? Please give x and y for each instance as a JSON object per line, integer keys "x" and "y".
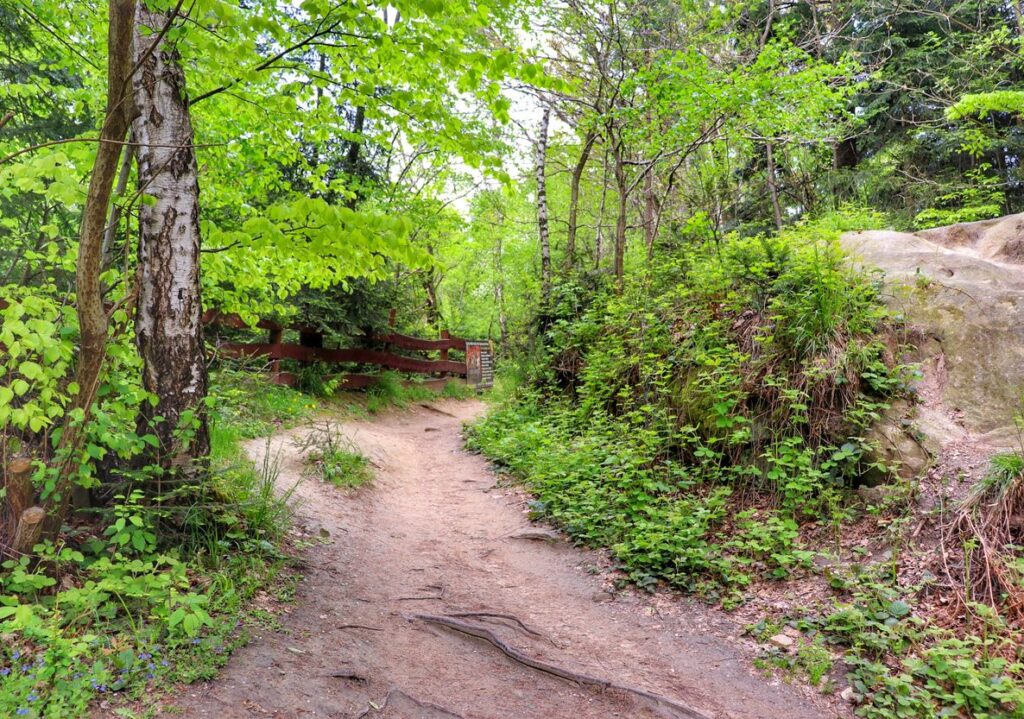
{"x": 961, "y": 290}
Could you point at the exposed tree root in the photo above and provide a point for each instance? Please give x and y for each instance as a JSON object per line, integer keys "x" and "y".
{"x": 406, "y": 705}
{"x": 424, "y": 405}
{"x": 359, "y": 626}
{"x": 663, "y": 705}
{"x": 494, "y": 615}
{"x": 439, "y": 588}
{"x": 537, "y": 535}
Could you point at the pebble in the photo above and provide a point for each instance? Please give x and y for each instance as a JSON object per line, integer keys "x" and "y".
{"x": 782, "y": 641}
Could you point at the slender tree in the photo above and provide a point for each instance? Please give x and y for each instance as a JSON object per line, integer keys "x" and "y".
{"x": 542, "y": 208}
{"x": 92, "y": 316}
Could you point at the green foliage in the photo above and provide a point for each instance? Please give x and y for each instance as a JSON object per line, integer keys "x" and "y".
{"x": 900, "y": 666}
{"x": 903, "y": 668}
{"x": 712, "y": 409}
{"x": 981, "y": 198}
{"x": 981, "y": 104}
{"x": 126, "y": 617}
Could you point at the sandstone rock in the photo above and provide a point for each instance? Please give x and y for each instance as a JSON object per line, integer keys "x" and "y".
{"x": 963, "y": 287}
{"x": 849, "y": 695}
{"x": 894, "y": 443}
{"x": 876, "y": 494}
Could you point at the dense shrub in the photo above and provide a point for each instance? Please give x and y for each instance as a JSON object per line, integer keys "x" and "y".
{"x": 693, "y": 422}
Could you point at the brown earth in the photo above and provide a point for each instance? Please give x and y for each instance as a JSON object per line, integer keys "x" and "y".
{"x": 434, "y": 534}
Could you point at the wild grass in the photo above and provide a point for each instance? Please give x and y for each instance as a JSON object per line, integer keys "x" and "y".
{"x": 988, "y": 526}
{"x": 331, "y": 456}
{"x": 392, "y": 390}
{"x": 247, "y": 405}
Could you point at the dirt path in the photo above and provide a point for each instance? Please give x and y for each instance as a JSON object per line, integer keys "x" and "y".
{"x": 433, "y": 535}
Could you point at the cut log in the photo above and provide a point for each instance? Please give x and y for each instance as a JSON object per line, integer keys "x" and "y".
{"x": 18, "y": 482}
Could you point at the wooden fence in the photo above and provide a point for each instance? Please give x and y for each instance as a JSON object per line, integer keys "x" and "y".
{"x": 475, "y": 368}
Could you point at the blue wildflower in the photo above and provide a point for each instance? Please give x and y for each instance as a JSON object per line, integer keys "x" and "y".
{"x": 16, "y": 655}
{"x": 21, "y": 712}
{"x": 32, "y": 697}
{"x": 165, "y": 663}
{"x": 4, "y": 672}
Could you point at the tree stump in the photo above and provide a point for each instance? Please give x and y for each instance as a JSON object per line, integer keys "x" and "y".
{"x": 18, "y": 481}
{"x": 29, "y": 529}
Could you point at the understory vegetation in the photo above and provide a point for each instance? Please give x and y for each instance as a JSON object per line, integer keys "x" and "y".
{"x": 153, "y": 590}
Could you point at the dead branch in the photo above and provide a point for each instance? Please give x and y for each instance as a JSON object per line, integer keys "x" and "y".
{"x": 664, "y": 705}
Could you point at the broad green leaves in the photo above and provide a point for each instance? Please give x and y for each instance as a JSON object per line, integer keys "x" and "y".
{"x": 32, "y": 369}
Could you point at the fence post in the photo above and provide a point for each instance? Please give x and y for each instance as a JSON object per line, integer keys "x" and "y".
{"x": 274, "y": 337}
{"x": 445, "y": 335}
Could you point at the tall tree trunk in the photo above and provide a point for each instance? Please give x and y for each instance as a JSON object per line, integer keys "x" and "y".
{"x": 542, "y": 210}
{"x": 499, "y": 291}
{"x": 844, "y": 153}
{"x": 168, "y": 325}
{"x": 430, "y": 285}
{"x": 599, "y": 234}
{"x": 574, "y": 198}
{"x": 620, "y": 223}
{"x": 433, "y": 307}
{"x": 352, "y": 154}
{"x": 92, "y": 317}
{"x": 650, "y": 213}
{"x": 773, "y": 189}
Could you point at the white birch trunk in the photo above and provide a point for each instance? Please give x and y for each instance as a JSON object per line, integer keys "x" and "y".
{"x": 169, "y": 319}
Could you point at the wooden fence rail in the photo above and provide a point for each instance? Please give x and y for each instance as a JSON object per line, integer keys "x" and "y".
{"x": 475, "y": 368}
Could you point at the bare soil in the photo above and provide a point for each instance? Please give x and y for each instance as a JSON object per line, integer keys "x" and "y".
{"x": 436, "y": 534}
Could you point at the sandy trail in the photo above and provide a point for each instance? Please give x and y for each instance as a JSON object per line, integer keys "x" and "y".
{"x": 433, "y": 535}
